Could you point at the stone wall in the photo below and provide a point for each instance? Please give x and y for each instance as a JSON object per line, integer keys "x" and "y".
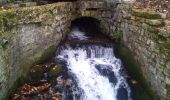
{"x": 29, "y": 35}
{"x": 147, "y": 35}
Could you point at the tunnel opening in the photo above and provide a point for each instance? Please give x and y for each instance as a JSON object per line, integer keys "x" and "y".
{"x": 87, "y": 24}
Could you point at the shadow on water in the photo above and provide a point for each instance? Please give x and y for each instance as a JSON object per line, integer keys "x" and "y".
{"x": 141, "y": 90}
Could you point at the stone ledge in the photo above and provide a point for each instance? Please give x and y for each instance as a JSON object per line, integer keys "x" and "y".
{"x": 145, "y": 14}
{"x": 154, "y": 22}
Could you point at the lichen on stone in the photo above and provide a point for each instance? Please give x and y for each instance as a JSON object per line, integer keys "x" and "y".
{"x": 154, "y": 22}
{"x": 7, "y": 19}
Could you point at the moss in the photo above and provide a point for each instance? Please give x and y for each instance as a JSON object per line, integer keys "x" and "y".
{"x": 134, "y": 69}
{"x": 117, "y": 36}
{"x": 161, "y": 38}
{"x": 56, "y": 70}
{"x": 27, "y": 15}
{"x": 145, "y": 14}
{"x": 21, "y": 80}
{"x": 8, "y": 23}
{"x": 88, "y": 13}
{"x": 7, "y": 20}
{"x": 45, "y": 55}
{"x": 153, "y": 30}
{"x": 165, "y": 45}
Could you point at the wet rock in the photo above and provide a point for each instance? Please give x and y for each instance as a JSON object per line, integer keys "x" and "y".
{"x": 56, "y": 70}
{"x": 36, "y": 73}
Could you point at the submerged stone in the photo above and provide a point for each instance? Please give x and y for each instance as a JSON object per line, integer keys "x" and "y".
{"x": 56, "y": 70}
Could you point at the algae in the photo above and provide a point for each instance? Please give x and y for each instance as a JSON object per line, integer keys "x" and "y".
{"x": 56, "y": 70}
{"x": 20, "y": 81}
{"x": 7, "y": 20}
{"x": 117, "y": 36}
{"x": 45, "y": 55}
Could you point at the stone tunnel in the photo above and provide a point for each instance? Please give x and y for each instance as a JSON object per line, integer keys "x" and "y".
{"x": 30, "y": 35}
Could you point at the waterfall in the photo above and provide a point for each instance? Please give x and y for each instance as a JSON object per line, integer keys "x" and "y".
{"x": 99, "y": 75}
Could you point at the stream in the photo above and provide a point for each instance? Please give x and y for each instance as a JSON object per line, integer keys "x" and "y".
{"x": 85, "y": 67}
{"x": 97, "y": 73}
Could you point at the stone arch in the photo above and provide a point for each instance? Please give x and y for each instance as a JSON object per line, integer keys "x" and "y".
{"x": 93, "y": 24}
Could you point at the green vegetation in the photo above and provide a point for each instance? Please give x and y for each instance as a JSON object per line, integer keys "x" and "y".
{"x": 117, "y": 36}
{"x": 44, "y": 55}
{"x": 21, "y": 80}
{"x": 7, "y": 19}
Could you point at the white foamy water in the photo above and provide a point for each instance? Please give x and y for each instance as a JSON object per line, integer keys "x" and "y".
{"x": 76, "y": 34}
{"x": 94, "y": 85}
{"x": 92, "y": 65}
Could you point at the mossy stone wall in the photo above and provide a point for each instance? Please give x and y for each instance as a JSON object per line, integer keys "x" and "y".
{"x": 29, "y": 35}
{"x": 147, "y": 35}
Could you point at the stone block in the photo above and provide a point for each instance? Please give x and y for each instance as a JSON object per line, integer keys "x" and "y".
{"x": 29, "y": 4}
{"x": 154, "y": 22}
{"x": 167, "y": 80}
{"x": 145, "y": 14}
{"x": 168, "y": 65}
{"x": 167, "y": 72}
{"x": 167, "y": 22}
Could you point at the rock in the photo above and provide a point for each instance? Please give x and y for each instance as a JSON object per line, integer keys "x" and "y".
{"x": 28, "y": 4}
{"x": 167, "y": 80}
{"x": 11, "y": 5}
{"x": 168, "y": 65}
{"x": 128, "y": 1}
{"x": 56, "y": 70}
{"x": 163, "y": 15}
{"x": 36, "y": 73}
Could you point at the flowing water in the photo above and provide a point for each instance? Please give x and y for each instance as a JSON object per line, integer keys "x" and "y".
{"x": 85, "y": 67}
{"x": 96, "y": 72}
